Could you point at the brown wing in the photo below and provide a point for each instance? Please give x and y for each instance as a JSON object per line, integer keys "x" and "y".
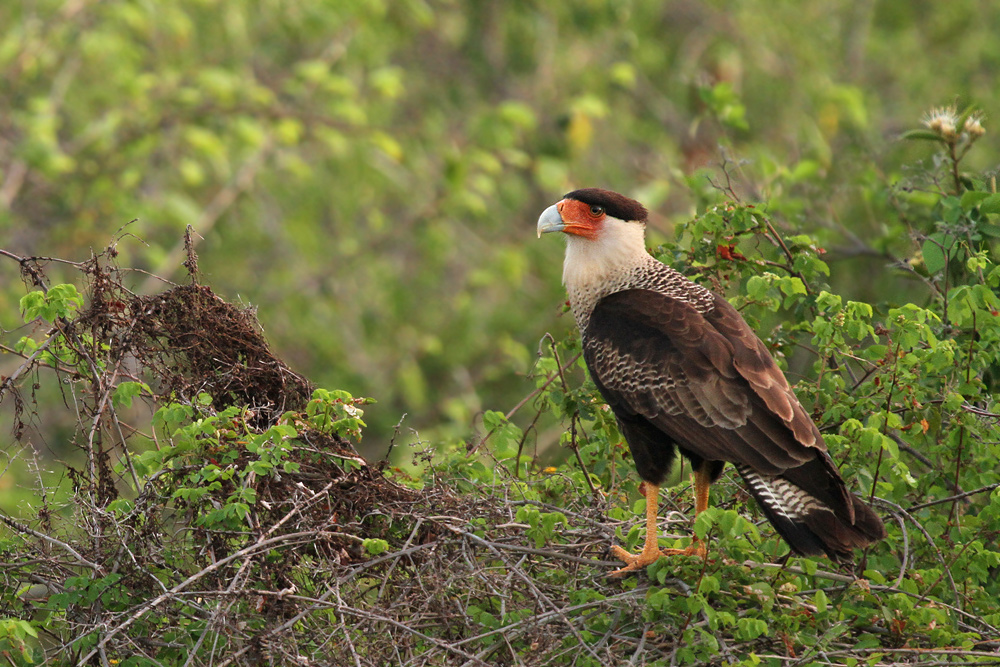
{"x": 707, "y": 381}
{"x": 708, "y": 384}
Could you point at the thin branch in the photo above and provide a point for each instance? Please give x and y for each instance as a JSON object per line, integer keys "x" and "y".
{"x": 983, "y": 489}
{"x": 21, "y": 528}
{"x": 29, "y": 362}
{"x": 260, "y": 546}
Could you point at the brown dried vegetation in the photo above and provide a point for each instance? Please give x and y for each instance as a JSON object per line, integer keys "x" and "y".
{"x": 152, "y": 582}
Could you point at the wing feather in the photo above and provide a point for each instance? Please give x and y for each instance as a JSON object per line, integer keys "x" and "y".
{"x": 707, "y": 381}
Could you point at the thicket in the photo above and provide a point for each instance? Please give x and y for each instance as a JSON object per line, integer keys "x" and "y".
{"x": 230, "y": 520}
{"x": 178, "y": 488}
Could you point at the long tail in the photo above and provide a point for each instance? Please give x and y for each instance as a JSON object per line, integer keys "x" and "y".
{"x": 822, "y": 518}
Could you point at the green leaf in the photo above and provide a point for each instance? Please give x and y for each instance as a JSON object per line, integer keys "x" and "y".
{"x": 25, "y": 345}
{"x": 991, "y": 204}
{"x": 972, "y": 197}
{"x": 821, "y": 601}
{"x": 121, "y": 505}
{"x": 757, "y": 288}
{"x": 709, "y": 584}
{"x": 374, "y": 546}
{"x": 793, "y": 285}
{"x": 925, "y": 135}
{"x": 65, "y": 298}
{"x": 703, "y": 523}
{"x": 934, "y": 257}
{"x": 492, "y": 419}
{"x": 32, "y": 304}
{"x": 17, "y": 627}
{"x": 750, "y": 628}
{"x": 126, "y": 391}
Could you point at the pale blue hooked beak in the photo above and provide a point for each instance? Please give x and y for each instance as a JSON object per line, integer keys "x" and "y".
{"x": 550, "y": 221}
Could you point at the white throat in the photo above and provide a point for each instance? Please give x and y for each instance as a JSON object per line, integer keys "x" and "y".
{"x": 595, "y": 268}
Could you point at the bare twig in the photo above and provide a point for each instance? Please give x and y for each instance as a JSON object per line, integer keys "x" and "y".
{"x": 21, "y": 528}
{"x": 261, "y": 546}
{"x": 949, "y": 499}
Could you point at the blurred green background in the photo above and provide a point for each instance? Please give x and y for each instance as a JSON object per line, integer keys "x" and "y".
{"x": 368, "y": 174}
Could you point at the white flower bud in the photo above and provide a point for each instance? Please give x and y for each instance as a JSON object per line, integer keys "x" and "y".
{"x": 942, "y": 121}
{"x": 974, "y": 126}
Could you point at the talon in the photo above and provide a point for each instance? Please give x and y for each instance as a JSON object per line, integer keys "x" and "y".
{"x": 649, "y": 556}
{"x": 634, "y": 561}
{"x": 697, "y": 548}
{"x": 651, "y": 550}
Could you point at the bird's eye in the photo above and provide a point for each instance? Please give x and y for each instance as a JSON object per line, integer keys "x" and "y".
{"x": 596, "y": 210}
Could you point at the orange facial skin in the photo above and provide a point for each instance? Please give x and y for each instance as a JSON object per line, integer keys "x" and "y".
{"x": 581, "y": 219}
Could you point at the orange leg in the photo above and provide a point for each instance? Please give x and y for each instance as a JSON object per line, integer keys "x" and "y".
{"x": 702, "y": 483}
{"x": 651, "y": 549}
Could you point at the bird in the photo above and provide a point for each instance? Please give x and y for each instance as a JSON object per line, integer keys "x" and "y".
{"x": 683, "y": 372}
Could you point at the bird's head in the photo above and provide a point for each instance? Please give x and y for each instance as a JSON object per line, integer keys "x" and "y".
{"x": 606, "y": 238}
{"x": 590, "y": 212}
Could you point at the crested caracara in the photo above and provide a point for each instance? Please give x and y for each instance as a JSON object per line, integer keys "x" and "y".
{"x": 682, "y": 371}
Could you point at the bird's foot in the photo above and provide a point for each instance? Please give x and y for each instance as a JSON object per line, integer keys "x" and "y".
{"x": 634, "y": 561}
{"x": 648, "y": 556}
{"x": 696, "y": 548}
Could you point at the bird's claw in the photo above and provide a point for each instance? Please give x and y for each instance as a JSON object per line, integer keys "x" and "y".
{"x": 697, "y": 548}
{"x": 633, "y": 561}
{"x": 649, "y": 556}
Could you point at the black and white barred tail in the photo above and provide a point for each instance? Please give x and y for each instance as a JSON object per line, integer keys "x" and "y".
{"x": 813, "y": 526}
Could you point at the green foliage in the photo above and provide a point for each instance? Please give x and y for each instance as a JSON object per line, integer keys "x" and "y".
{"x": 401, "y": 145}
{"x": 59, "y": 350}
{"x": 406, "y": 148}
{"x": 374, "y": 546}
{"x": 723, "y": 102}
{"x": 216, "y": 474}
{"x": 19, "y": 642}
{"x": 60, "y": 302}
{"x": 506, "y": 436}
{"x": 905, "y": 395}
{"x": 542, "y": 526}
{"x": 126, "y": 392}
{"x": 336, "y": 412}
{"x": 209, "y": 460}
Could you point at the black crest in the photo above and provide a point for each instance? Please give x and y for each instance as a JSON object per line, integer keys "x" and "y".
{"x": 616, "y": 205}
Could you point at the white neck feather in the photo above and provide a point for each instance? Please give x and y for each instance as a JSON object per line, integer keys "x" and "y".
{"x": 595, "y": 268}
{"x": 621, "y": 246}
